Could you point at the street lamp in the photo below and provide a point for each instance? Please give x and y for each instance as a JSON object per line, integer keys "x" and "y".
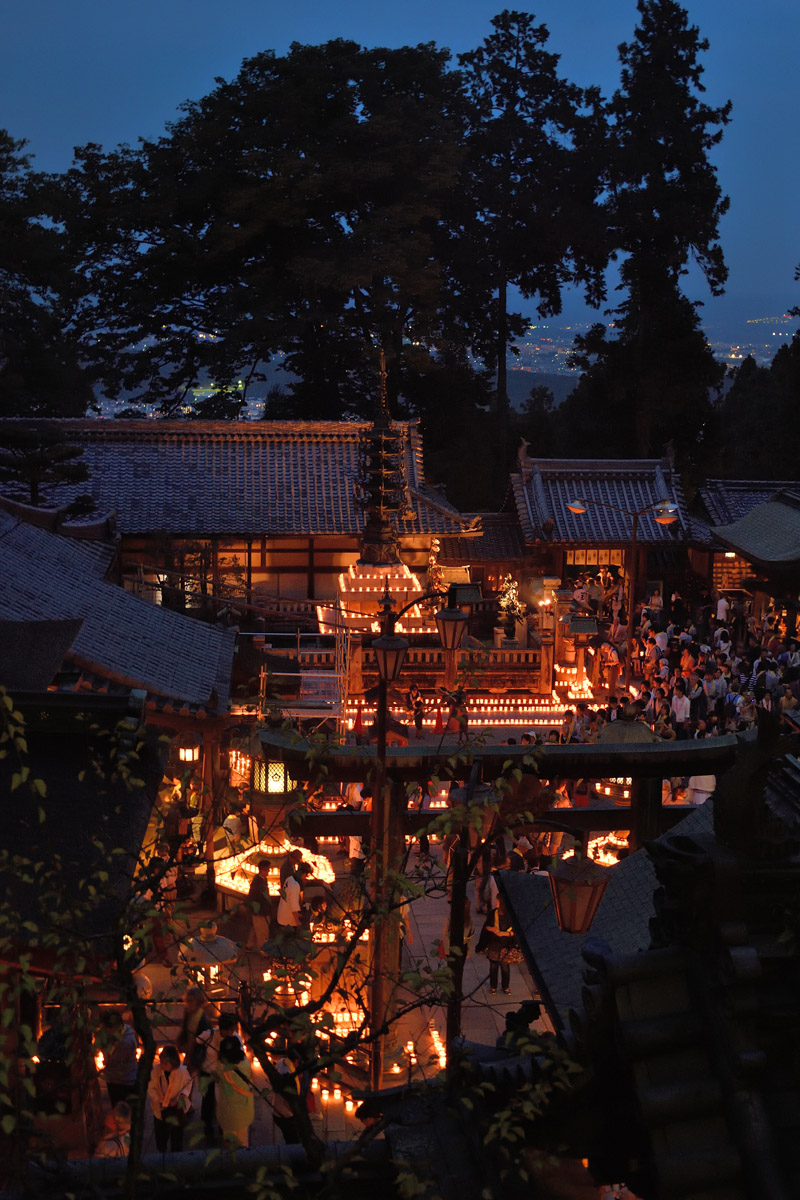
{"x": 390, "y": 653}
{"x": 451, "y": 623}
{"x": 663, "y": 512}
{"x": 578, "y": 886}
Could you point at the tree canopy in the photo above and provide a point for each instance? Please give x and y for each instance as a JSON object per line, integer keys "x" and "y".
{"x": 753, "y": 428}
{"x": 39, "y": 372}
{"x": 651, "y": 378}
{"x": 337, "y": 201}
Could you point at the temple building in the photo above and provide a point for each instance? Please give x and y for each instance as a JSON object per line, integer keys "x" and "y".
{"x": 261, "y": 511}
{"x": 613, "y": 492}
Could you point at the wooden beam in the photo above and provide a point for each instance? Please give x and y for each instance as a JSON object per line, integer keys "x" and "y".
{"x": 580, "y": 820}
{"x": 660, "y": 760}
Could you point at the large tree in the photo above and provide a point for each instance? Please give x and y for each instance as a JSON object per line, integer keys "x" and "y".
{"x": 664, "y": 203}
{"x": 39, "y": 371}
{"x": 294, "y": 211}
{"x": 753, "y": 429}
{"x": 529, "y": 215}
{"x": 37, "y": 460}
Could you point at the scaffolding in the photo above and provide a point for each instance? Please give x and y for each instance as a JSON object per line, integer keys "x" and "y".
{"x": 342, "y": 667}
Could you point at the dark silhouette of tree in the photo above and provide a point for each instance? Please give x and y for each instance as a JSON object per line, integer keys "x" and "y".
{"x": 36, "y": 460}
{"x": 753, "y": 429}
{"x": 39, "y": 371}
{"x": 293, "y": 210}
{"x": 538, "y": 424}
{"x": 529, "y": 211}
{"x": 652, "y": 376}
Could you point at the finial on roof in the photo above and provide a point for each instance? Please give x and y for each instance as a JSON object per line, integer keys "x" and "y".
{"x": 382, "y": 375}
{"x": 380, "y": 483}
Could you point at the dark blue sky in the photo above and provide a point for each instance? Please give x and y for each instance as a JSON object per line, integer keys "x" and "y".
{"x": 73, "y": 71}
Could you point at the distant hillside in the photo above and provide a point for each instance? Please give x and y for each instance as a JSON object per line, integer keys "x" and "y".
{"x": 520, "y": 384}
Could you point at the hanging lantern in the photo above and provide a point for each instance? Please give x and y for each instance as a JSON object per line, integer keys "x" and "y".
{"x": 189, "y": 748}
{"x": 451, "y": 623}
{"x": 390, "y": 654}
{"x": 578, "y": 886}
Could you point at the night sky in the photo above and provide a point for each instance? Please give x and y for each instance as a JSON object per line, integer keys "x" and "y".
{"x": 74, "y": 71}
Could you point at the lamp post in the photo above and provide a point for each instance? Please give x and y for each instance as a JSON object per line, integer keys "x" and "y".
{"x": 390, "y": 653}
{"x": 664, "y": 512}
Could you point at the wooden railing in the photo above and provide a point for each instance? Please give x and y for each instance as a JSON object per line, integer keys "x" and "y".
{"x": 420, "y": 656}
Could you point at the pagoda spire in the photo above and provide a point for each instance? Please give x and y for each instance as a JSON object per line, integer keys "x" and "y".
{"x": 381, "y": 484}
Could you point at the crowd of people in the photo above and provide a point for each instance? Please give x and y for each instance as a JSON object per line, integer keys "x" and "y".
{"x": 206, "y": 1060}
{"x": 694, "y": 673}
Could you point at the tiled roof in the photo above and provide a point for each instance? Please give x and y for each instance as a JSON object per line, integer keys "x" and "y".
{"x": 247, "y": 477}
{"x": 727, "y": 500}
{"x": 543, "y": 488}
{"x": 768, "y": 534}
{"x": 33, "y": 652}
{"x": 500, "y": 540}
{"x": 622, "y": 921}
{"x": 44, "y": 578}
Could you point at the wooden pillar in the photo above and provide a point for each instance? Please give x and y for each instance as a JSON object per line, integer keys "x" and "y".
{"x": 645, "y": 812}
{"x": 563, "y": 602}
{"x": 310, "y": 565}
{"x": 355, "y": 666}
{"x": 210, "y": 749}
{"x": 547, "y": 664}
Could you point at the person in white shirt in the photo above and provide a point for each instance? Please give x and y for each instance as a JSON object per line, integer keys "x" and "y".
{"x": 290, "y": 904}
{"x": 700, "y": 788}
{"x": 723, "y": 608}
{"x": 680, "y": 707}
{"x": 356, "y": 854}
{"x": 170, "y": 1093}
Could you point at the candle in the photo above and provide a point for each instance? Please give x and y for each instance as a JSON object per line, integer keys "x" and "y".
{"x": 349, "y": 1106}
{"x": 315, "y": 1084}
{"x": 337, "y": 1093}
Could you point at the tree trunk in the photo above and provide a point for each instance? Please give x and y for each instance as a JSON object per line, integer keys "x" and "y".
{"x": 501, "y": 406}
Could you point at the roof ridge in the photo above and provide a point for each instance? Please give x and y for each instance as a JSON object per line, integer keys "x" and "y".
{"x": 595, "y": 464}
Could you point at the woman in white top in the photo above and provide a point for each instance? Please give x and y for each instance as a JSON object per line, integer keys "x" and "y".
{"x": 681, "y": 709}
{"x": 170, "y": 1092}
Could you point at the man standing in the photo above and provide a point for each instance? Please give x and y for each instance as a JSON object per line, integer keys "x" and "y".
{"x": 121, "y": 1063}
{"x": 290, "y": 864}
{"x": 260, "y": 903}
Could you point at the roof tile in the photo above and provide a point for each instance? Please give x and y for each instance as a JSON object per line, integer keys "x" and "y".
{"x": 543, "y": 488}
{"x": 268, "y": 478}
{"x": 43, "y": 578}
